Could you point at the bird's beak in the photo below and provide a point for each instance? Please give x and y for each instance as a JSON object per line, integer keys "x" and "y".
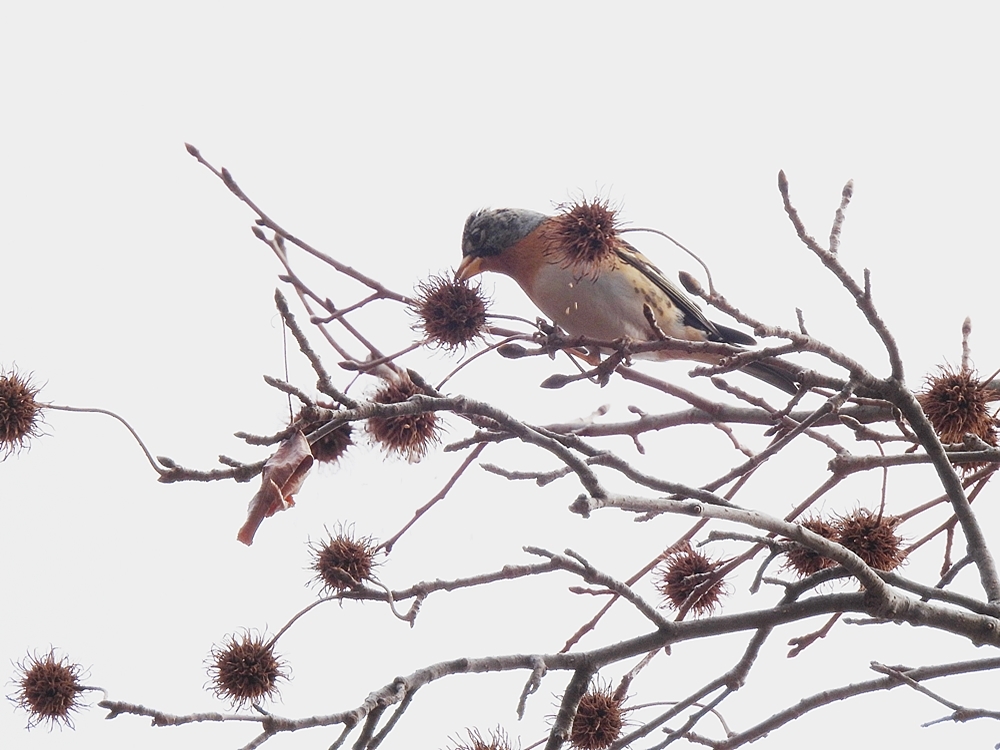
{"x": 469, "y": 267}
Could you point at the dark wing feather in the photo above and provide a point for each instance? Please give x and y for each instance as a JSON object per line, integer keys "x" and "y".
{"x": 693, "y": 316}
{"x": 732, "y": 336}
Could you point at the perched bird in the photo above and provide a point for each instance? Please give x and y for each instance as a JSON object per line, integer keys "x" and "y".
{"x": 580, "y": 273}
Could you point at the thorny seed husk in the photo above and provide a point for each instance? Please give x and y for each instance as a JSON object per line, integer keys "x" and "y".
{"x": 598, "y": 721}
{"x": 48, "y": 689}
{"x": 497, "y": 740}
{"x": 957, "y": 402}
{"x": 245, "y": 670}
{"x": 343, "y": 562}
{"x": 332, "y": 446}
{"x": 20, "y": 412}
{"x": 872, "y": 537}
{"x": 451, "y": 313}
{"x": 584, "y": 235}
{"x": 805, "y": 561}
{"x": 682, "y": 574}
{"x": 411, "y": 435}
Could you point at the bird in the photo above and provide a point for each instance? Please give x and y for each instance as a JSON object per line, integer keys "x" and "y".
{"x": 579, "y": 272}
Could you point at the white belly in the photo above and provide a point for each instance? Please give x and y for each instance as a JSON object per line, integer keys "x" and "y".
{"x": 606, "y": 308}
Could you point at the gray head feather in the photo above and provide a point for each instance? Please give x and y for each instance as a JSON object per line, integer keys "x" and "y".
{"x": 491, "y": 231}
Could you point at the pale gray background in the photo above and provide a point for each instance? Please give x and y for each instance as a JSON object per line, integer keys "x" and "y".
{"x": 131, "y": 281}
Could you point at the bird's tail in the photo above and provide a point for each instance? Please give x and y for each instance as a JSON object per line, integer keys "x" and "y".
{"x": 776, "y": 372}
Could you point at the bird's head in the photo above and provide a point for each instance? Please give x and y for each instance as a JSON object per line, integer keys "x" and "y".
{"x": 489, "y": 232}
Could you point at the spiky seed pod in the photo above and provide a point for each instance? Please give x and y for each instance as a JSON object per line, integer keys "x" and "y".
{"x": 245, "y": 670}
{"x": 598, "y": 721}
{"x": 330, "y": 447}
{"x": 20, "y": 413}
{"x": 48, "y": 689}
{"x": 498, "y": 740}
{"x": 408, "y": 435}
{"x": 872, "y": 537}
{"x": 585, "y": 236}
{"x": 804, "y": 561}
{"x": 957, "y": 402}
{"x": 683, "y": 572}
{"x": 451, "y": 313}
{"x": 341, "y": 561}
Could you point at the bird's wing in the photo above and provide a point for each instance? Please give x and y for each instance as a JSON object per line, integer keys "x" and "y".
{"x": 693, "y": 316}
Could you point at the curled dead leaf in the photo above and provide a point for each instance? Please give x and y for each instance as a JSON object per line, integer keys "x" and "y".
{"x": 283, "y": 475}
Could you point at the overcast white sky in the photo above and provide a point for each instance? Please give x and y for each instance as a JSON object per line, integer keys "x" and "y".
{"x": 130, "y": 281}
